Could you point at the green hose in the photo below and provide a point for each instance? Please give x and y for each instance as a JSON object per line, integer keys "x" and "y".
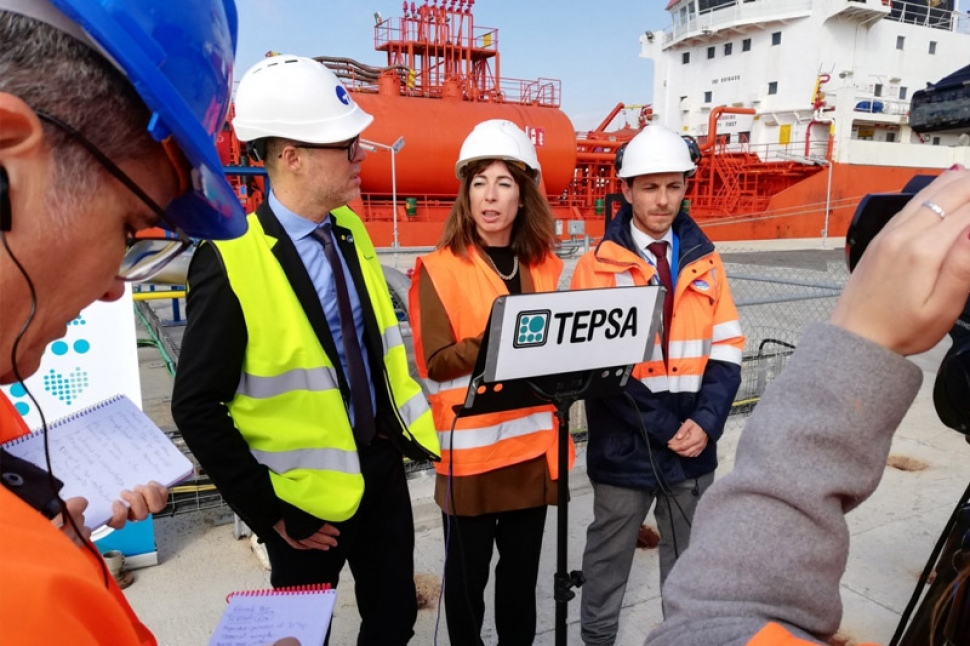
{"x": 156, "y": 342}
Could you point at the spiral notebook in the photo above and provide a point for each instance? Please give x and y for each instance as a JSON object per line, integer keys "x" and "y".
{"x": 258, "y": 617}
{"x": 101, "y": 450}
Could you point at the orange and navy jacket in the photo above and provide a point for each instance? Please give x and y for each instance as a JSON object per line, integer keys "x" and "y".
{"x": 51, "y": 590}
{"x": 699, "y": 379}
{"x": 467, "y": 287}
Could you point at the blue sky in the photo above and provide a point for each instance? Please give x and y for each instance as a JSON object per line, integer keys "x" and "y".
{"x": 593, "y": 47}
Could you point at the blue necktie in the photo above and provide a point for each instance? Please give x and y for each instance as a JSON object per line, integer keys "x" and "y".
{"x": 360, "y": 399}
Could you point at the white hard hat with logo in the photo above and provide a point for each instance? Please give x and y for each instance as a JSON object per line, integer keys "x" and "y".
{"x": 296, "y": 98}
{"x": 498, "y": 139}
{"x": 656, "y": 149}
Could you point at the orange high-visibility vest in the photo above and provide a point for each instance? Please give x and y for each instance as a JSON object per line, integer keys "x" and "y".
{"x": 698, "y": 332}
{"x": 467, "y": 288}
{"x": 53, "y": 591}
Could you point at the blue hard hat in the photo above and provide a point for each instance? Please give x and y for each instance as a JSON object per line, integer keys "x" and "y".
{"x": 178, "y": 55}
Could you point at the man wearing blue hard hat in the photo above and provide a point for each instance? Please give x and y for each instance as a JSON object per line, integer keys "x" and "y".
{"x": 108, "y": 115}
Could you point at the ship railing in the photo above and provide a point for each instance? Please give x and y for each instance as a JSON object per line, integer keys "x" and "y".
{"x": 772, "y": 152}
{"x": 732, "y": 13}
{"x": 401, "y": 31}
{"x": 542, "y": 91}
{"x": 920, "y": 13}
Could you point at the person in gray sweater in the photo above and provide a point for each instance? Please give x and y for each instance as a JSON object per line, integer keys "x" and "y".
{"x": 770, "y": 541}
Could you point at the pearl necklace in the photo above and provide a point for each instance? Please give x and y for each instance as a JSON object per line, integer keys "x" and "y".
{"x": 511, "y": 275}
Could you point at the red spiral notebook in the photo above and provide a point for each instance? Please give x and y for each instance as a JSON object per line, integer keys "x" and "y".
{"x": 260, "y": 617}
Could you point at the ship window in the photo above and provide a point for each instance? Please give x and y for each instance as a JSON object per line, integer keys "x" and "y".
{"x": 746, "y": 45}
{"x": 710, "y": 52}
{"x": 890, "y": 137}
{"x": 877, "y": 89}
{"x": 900, "y": 41}
{"x": 776, "y": 38}
{"x": 685, "y": 58}
{"x": 708, "y": 96}
{"x": 902, "y": 93}
{"x": 932, "y": 47}
{"x": 936, "y": 141}
{"x": 727, "y": 48}
{"x": 773, "y": 87}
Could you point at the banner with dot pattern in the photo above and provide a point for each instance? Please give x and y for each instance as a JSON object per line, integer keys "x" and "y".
{"x": 96, "y": 359}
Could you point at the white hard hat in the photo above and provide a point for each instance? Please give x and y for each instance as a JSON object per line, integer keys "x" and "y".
{"x": 498, "y": 139}
{"x": 656, "y": 149}
{"x": 296, "y": 98}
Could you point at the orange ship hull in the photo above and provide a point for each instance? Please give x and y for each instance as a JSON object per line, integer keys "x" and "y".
{"x": 796, "y": 212}
{"x": 799, "y": 211}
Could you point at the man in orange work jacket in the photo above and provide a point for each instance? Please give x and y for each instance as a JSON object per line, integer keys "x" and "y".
{"x": 659, "y": 440}
{"x": 108, "y": 114}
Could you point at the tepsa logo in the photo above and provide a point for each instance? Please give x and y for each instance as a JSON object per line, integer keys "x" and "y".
{"x": 533, "y": 328}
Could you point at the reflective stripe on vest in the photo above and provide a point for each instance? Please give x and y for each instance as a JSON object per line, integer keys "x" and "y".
{"x": 726, "y": 353}
{"x": 690, "y": 349}
{"x": 413, "y": 409}
{"x": 484, "y": 436}
{"x": 674, "y": 383}
{"x": 435, "y": 387}
{"x": 315, "y": 459}
{"x": 728, "y": 330}
{"x": 723, "y": 351}
{"x": 322, "y": 378}
{"x": 392, "y": 338}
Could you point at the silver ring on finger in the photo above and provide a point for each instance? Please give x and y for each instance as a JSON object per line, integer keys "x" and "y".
{"x": 936, "y": 208}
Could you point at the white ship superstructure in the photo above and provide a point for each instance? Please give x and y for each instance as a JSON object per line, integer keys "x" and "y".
{"x": 824, "y": 78}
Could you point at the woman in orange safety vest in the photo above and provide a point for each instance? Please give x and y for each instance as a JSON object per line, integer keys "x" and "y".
{"x": 497, "y": 471}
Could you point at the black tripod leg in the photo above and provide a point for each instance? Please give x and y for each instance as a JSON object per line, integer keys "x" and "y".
{"x": 564, "y": 580}
{"x": 562, "y": 583}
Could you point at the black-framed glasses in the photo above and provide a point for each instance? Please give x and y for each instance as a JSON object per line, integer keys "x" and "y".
{"x": 144, "y": 256}
{"x": 352, "y": 147}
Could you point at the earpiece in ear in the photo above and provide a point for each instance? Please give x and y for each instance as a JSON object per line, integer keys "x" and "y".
{"x": 6, "y": 218}
{"x": 256, "y": 150}
{"x": 692, "y": 148}
{"x": 618, "y": 161}
{"x": 695, "y": 153}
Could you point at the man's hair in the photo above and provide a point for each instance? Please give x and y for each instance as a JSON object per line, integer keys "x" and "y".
{"x": 533, "y": 232}
{"x": 55, "y": 73}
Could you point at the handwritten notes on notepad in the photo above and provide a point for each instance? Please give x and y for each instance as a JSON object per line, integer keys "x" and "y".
{"x": 260, "y": 617}
{"x": 102, "y": 450}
